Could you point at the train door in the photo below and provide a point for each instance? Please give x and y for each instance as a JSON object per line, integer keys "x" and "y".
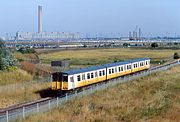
{"x": 72, "y": 82}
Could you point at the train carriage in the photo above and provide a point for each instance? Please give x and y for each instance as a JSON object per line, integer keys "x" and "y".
{"x": 73, "y": 79}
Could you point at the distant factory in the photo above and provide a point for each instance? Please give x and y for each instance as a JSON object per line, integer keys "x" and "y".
{"x": 46, "y": 36}
{"x": 40, "y": 35}
{"x": 136, "y": 34}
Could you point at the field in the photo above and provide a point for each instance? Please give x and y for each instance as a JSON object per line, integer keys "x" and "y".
{"x": 152, "y": 98}
{"x": 102, "y": 56}
{"x": 16, "y": 76}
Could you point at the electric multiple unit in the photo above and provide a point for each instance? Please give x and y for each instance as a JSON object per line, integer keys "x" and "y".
{"x": 72, "y": 79}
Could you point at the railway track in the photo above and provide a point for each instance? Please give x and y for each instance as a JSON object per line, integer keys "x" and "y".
{"x": 34, "y": 106}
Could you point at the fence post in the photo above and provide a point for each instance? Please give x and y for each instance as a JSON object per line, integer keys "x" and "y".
{"x": 83, "y": 92}
{"x": 129, "y": 78}
{"x": 23, "y": 112}
{"x": 49, "y": 104}
{"x": 37, "y": 107}
{"x": 7, "y": 116}
{"x": 66, "y": 96}
{"x": 97, "y": 86}
{"x": 76, "y": 93}
{"x": 57, "y": 101}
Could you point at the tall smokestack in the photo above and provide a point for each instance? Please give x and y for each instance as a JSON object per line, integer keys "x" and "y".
{"x": 130, "y": 35}
{"x": 139, "y": 33}
{"x": 39, "y": 19}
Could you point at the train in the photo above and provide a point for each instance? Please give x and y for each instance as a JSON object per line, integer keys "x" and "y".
{"x": 77, "y": 78}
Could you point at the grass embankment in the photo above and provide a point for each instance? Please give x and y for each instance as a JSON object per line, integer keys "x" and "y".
{"x": 102, "y": 56}
{"x": 17, "y": 87}
{"x": 16, "y": 76}
{"x": 25, "y": 93}
{"x": 152, "y": 98}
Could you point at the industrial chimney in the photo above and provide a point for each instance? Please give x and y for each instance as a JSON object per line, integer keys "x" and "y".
{"x": 39, "y": 19}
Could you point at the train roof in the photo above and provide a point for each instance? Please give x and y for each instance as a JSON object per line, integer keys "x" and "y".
{"x": 93, "y": 68}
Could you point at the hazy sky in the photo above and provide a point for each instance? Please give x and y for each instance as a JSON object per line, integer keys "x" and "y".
{"x": 92, "y": 16}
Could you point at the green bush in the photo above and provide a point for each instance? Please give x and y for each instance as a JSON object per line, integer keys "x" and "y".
{"x": 26, "y": 50}
{"x": 154, "y": 45}
{"x": 6, "y": 58}
{"x": 176, "y": 56}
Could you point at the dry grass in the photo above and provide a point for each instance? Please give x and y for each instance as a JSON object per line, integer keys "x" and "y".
{"x": 11, "y": 77}
{"x": 101, "y": 56}
{"x": 19, "y": 56}
{"x": 22, "y": 94}
{"x": 152, "y": 98}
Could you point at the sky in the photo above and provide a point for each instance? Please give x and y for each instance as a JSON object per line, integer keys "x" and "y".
{"x": 155, "y": 17}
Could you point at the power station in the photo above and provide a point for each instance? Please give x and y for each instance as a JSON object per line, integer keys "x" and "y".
{"x": 41, "y": 35}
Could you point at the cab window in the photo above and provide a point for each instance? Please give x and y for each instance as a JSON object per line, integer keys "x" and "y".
{"x": 65, "y": 78}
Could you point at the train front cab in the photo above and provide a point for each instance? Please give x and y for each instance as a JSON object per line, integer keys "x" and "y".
{"x": 59, "y": 81}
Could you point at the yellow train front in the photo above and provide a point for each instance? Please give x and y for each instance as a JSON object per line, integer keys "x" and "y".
{"x": 72, "y": 79}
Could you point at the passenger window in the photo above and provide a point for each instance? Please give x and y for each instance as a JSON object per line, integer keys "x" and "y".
{"x": 119, "y": 69}
{"x": 112, "y": 70}
{"x": 103, "y": 72}
{"x": 83, "y": 77}
{"x": 109, "y": 71}
{"x": 122, "y": 68}
{"x": 100, "y": 74}
{"x": 115, "y": 69}
{"x": 78, "y": 78}
{"x": 88, "y": 75}
{"x": 72, "y": 79}
{"x": 129, "y": 66}
{"x": 92, "y": 75}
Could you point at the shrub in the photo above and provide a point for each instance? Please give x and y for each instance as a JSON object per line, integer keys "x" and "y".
{"x": 126, "y": 44}
{"x": 29, "y": 67}
{"x": 26, "y": 50}
{"x": 176, "y": 56}
{"x": 154, "y": 45}
{"x": 6, "y": 58}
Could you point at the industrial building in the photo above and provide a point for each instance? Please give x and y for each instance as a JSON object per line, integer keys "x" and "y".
{"x": 46, "y": 36}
